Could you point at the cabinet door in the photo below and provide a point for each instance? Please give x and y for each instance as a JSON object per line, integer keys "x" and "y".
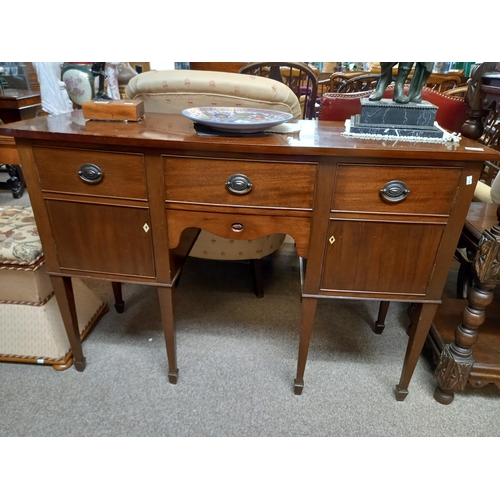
{"x": 380, "y": 256}
{"x": 101, "y": 238}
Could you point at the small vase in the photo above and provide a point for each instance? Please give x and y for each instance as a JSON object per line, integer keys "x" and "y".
{"x": 79, "y": 81}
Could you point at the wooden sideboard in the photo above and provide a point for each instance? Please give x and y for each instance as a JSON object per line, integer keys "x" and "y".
{"x": 123, "y": 201}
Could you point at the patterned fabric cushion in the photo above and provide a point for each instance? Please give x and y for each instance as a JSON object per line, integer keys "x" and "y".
{"x": 171, "y": 91}
{"x": 19, "y": 240}
{"x": 211, "y": 246}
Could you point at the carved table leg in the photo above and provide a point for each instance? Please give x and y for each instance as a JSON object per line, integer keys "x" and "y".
{"x": 379, "y": 326}
{"x": 63, "y": 289}
{"x": 308, "y": 312}
{"x": 421, "y": 323}
{"x": 456, "y": 359}
{"x": 166, "y": 298}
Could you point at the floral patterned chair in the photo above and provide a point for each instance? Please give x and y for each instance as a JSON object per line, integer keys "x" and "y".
{"x": 171, "y": 91}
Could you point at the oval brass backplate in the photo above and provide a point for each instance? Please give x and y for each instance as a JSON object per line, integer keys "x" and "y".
{"x": 90, "y": 173}
{"x": 394, "y": 191}
{"x": 239, "y": 184}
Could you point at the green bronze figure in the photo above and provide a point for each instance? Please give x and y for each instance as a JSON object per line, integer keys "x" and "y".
{"x": 420, "y": 76}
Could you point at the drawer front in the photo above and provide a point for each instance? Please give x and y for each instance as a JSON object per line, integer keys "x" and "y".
{"x": 123, "y": 174}
{"x": 203, "y": 180}
{"x": 239, "y": 227}
{"x": 431, "y": 190}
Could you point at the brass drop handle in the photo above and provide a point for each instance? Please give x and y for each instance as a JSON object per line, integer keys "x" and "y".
{"x": 394, "y": 191}
{"x": 90, "y": 173}
{"x": 239, "y": 184}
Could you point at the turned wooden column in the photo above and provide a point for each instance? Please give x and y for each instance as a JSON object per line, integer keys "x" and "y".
{"x": 477, "y": 109}
{"x": 456, "y": 360}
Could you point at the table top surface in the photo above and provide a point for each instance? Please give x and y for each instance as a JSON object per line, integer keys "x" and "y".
{"x": 17, "y": 94}
{"x": 481, "y": 216}
{"x": 317, "y": 138}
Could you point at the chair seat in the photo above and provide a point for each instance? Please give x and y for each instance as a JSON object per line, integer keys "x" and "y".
{"x": 23, "y": 279}
{"x": 210, "y": 246}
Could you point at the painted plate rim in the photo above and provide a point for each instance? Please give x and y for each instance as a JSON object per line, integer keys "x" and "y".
{"x": 240, "y": 126}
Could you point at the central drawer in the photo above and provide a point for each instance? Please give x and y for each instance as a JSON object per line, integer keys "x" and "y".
{"x": 268, "y": 184}
{"x": 431, "y": 190}
{"x": 91, "y": 173}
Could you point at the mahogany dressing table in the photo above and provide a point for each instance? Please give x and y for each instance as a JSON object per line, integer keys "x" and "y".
{"x": 373, "y": 220}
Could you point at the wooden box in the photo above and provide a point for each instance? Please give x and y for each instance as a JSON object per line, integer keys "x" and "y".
{"x": 115, "y": 110}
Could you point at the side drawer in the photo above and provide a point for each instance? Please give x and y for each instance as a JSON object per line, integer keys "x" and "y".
{"x": 274, "y": 184}
{"x": 432, "y": 190}
{"x": 123, "y": 174}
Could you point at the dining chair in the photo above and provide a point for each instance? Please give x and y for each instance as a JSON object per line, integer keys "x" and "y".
{"x": 443, "y": 82}
{"x": 360, "y": 83}
{"x": 298, "y": 76}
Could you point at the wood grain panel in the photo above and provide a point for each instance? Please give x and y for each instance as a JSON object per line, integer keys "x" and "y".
{"x": 381, "y": 256}
{"x": 101, "y": 238}
{"x": 124, "y": 173}
{"x": 432, "y": 190}
{"x": 253, "y": 226}
{"x": 275, "y": 184}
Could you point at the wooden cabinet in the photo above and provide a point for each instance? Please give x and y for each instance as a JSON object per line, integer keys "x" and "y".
{"x": 96, "y": 203}
{"x": 386, "y": 226}
{"x": 125, "y": 201}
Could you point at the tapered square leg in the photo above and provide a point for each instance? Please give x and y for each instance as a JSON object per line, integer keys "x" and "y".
{"x": 308, "y": 312}
{"x": 166, "y": 298}
{"x": 63, "y": 289}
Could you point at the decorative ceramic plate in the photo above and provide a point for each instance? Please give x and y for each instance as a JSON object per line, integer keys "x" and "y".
{"x": 246, "y": 120}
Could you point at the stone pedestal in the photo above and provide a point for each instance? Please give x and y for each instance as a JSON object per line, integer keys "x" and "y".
{"x": 385, "y": 117}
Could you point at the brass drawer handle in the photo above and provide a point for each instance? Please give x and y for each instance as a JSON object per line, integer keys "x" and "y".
{"x": 90, "y": 173}
{"x": 237, "y": 227}
{"x": 239, "y": 184}
{"x": 394, "y": 191}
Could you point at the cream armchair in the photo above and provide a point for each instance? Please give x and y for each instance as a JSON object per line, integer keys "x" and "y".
{"x": 171, "y": 91}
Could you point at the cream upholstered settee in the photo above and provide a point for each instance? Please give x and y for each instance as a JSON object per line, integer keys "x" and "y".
{"x": 171, "y": 91}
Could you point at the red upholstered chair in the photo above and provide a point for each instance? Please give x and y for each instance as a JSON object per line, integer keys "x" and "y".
{"x": 451, "y": 113}
{"x": 336, "y": 106}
